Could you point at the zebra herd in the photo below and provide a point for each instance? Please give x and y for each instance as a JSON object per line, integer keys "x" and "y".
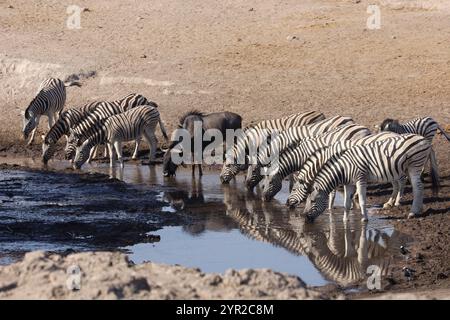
{"x": 319, "y": 154}
{"x": 102, "y": 122}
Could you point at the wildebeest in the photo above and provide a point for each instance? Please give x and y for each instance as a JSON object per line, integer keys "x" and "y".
{"x": 217, "y": 120}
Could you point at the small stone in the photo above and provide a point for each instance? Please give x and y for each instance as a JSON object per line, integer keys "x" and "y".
{"x": 357, "y": 1}
{"x": 85, "y": 10}
{"x": 291, "y": 37}
{"x": 393, "y": 37}
{"x": 143, "y": 56}
{"x": 10, "y": 7}
{"x": 251, "y": 9}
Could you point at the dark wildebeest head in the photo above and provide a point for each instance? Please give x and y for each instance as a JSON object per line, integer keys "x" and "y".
{"x": 389, "y": 125}
{"x": 169, "y": 167}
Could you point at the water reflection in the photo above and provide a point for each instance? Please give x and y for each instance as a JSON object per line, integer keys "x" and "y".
{"x": 341, "y": 251}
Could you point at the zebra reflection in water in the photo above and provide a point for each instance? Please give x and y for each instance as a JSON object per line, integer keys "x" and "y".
{"x": 342, "y": 251}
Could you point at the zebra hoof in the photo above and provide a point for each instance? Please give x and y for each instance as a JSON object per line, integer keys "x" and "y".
{"x": 387, "y": 205}
{"x": 411, "y": 215}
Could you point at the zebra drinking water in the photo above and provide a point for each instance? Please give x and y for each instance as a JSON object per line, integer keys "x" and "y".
{"x": 293, "y": 157}
{"x": 49, "y": 101}
{"x": 127, "y": 126}
{"x": 105, "y": 109}
{"x": 67, "y": 120}
{"x": 386, "y": 161}
{"x": 304, "y": 178}
{"x": 255, "y": 135}
{"x": 330, "y": 131}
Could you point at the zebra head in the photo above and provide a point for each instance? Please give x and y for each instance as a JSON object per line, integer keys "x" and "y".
{"x": 316, "y": 204}
{"x": 81, "y": 155}
{"x": 272, "y": 187}
{"x": 29, "y": 123}
{"x": 73, "y": 142}
{"x": 298, "y": 194}
{"x": 254, "y": 176}
{"x": 229, "y": 170}
{"x": 48, "y": 148}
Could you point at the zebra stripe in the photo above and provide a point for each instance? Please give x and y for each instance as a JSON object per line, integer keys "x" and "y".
{"x": 293, "y": 120}
{"x": 425, "y": 127}
{"x": 334, "y": 127}
{"x": 304, "y": 179}
{"x": 49, "y": 101}
{"x": 385, "y": 161}
{"x": 293, "y": 158}
{"x": 127, "y": 126}
{"x": 252, "y": 138}
{"x": 104, "y": 110}
{"x": 67, "y": 120}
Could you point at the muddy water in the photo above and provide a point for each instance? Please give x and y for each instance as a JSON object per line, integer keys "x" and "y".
{"x": 192, "y": 222}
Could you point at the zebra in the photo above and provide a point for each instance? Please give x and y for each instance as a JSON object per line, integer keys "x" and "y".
{"x": 104, "y": 110}
{"x": 129, "y": 125}
{"x": 293, "y": 157}
{"x": 329, "y": 131}
{"x": 49, "y": 101}
{"x": 426, "y": 127}
{"x": 385, "y": 161}
{"x": 293, "y": 120}
{"x": 255, "y": 135}
{"x": 304, "y": 178}
{"x": 68, "y": 119}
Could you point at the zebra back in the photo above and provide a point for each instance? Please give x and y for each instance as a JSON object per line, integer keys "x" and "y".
{"x": 425, "y": 127}
{"x": 297, "y": 119}
{"x": 50, "y": 98}
{"x": 382, "y": 161}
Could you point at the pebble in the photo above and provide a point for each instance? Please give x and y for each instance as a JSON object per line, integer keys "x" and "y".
{"x": 291, "y": 37}
{"x": 143, "y": 56}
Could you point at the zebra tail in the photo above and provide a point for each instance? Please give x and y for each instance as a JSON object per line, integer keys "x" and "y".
{"x": 163, "y": 130}
{"x": 444, "y": 133}
{"x": 72, "y": 83}
{"x": 434, "y": 173}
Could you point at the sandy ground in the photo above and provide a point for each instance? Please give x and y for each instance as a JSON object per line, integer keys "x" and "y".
{"x": 261, "y": 59}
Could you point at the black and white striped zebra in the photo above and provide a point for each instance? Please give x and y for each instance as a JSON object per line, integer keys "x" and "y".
{"x": 239, "y": 156}
{"x": 293, "y": 120}
{"x": 67, "y": 120}
{"x": 386, "y": 161}
{"x": 293, "y": 157}
{"x": 130, "y": 125}
{"x": 49, "y": 101}
{"x": 104, "y": 110}
{"x": 293, "y": 136}
{"x": 305, "y": 177}
{"x": 426, "y": 127}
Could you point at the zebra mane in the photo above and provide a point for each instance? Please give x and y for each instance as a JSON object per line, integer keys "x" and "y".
{"x": 193, "y": 112}
{"x": 27, "y": 113}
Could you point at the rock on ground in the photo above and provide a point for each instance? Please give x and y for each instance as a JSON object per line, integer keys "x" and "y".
{"x": 106, "y": 275}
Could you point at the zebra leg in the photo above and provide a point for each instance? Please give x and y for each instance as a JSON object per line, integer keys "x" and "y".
{"x": 136, "y": 148}
{"x": 417, "y": 186}
{"x": 50, "y": 121}
{"x": 331, "y": 200}
{"x": 118, "y": 148}
{"x": 349, "y": 191}
{"x": 111, "y": 154}
{"x": 401, "y": 190}
{"x": 394, "y": 195}
{"x": 361, "y": 188}
{"x": 92, "y": 153}
{"x": 153, "y": 142}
